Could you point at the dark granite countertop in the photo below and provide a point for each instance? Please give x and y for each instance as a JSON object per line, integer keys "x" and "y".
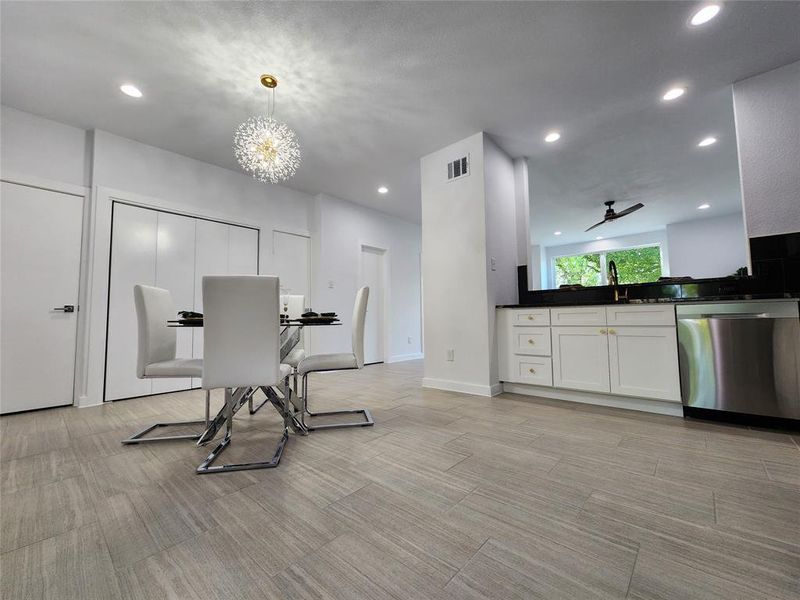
{"x": 720, "y": 289}
{"x": 736, "y": 298}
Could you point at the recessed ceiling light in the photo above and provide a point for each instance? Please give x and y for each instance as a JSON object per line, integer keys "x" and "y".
{"x": 131, "y": 90}
{"x": 705, "y": 14}
{"x": 710, "y": 140}
{"x": 383, "y": 190}
{"x": 599, "y": 237}
{"x": 551, "y": 137}
{"x": 703, "y": 206}
{"x": 674, "y": 93}
{"x": 556, "y": 233}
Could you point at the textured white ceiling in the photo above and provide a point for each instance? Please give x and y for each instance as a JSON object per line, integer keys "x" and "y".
{"x": 371, "y": 87}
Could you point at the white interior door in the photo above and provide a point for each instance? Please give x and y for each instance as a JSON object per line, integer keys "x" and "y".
{"x": 40, "y": 242}
{"x": 372, "y": 276}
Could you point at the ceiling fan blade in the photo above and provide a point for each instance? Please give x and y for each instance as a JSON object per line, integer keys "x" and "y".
{"x": 629, "y": 210}
{"x": 597, "y": 225}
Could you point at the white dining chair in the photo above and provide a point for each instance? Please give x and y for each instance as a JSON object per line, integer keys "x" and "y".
{"x": 242, "y": 353}
{"x": 156, "y": 358}
{"x": 293, "y": 305}
{"x": 317, "y": 363}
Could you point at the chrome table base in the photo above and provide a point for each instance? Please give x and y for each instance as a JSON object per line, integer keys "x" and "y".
{"x": 234, "y": 400}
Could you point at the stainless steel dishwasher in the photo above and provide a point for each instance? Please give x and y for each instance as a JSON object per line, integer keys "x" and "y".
{"x": 741, "y": 357}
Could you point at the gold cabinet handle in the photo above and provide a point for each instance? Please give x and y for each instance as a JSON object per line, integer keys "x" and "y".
{"x": 531, "y": 370}
{"x": 603, "y": 331}
{"x": 612, "y": 331}
{"x": 531, "y": 342}
{"x": 530, "y": 317}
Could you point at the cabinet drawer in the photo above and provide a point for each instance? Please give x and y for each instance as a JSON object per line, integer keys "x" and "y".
{"x": 641, "y": 315}
{"x": 532, "y": 340}
{"x": 537, "y": 370}
{"x": 531, "y": 316}
{"x": 578, "y": 315}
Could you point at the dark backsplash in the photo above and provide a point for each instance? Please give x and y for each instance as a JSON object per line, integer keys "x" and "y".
{"x": 776, "y": 258}
{"x": 698, "y": 289}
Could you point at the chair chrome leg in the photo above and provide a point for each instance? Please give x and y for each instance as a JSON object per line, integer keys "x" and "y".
{"x": 138, "y": 438}
{"x": 207, "y": 465}
{"x": 367, "y": 421}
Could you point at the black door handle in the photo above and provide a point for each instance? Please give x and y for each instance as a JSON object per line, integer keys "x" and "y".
{"x": 66, "y": 308}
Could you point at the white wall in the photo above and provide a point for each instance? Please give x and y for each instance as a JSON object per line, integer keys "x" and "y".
{"x": 38, "y": 147}
{"x": 339, "y": 229}
{"x": 116, "y": 167}
{"x": 712, "y": 247}
{"x": 455, "y": 297}
{"x": 502, "y": 237}
{"x": 767, "y": 109}
{"x": 623, "y": 241}
{"x": 466, "y": 222}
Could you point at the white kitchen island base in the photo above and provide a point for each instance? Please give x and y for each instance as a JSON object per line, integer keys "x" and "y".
{"x": 660, "y": 407}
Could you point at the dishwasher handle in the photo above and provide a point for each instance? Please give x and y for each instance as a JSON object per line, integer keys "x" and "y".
{"x": 733, "y": 316}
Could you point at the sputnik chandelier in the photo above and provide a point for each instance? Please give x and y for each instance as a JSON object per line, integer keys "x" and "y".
{"x": 264, "y": 147}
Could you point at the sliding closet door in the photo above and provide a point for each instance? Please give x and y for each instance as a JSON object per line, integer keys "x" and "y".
{"x": 173, "y": 252}
{"x": 133, "y": 261}
{"x": 242, "y": 251}
{"x": 211, "y": 258}
{"x": 175, "y": 257}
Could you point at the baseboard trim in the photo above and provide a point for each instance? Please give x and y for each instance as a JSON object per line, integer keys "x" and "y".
{"x": 660, "y": 407}
{"x": 405, "y": 357}
{"x": 84, "y": 402}
{"x": 459, "y": 386}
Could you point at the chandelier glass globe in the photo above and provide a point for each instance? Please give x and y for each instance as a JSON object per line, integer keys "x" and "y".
{"x": 266, "y": 148}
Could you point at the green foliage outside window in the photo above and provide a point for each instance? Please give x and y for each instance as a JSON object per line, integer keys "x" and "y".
{"x": 583, "y": 269}
{"x": 635, "y": 265}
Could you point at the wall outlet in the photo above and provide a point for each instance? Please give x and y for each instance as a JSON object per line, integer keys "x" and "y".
{"x": 410, "y": 340}
{"x": 330, "y": 284}
{"x": 493, "y": 263}
{"x": 451, "y": 355}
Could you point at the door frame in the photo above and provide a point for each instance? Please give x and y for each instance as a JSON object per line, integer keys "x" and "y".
{"x": 385, "y": 305}
{"x": 82, "y": 325}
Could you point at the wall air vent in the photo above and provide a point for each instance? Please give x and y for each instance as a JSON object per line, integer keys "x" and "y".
{"x": 458, "y": 168}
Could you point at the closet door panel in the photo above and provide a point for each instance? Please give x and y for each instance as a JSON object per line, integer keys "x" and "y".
{"x": 175, "y": 256}
{"x": 242, "y": 251}
{"x": 133, "y": 261}
{"x": 211, "y": 258}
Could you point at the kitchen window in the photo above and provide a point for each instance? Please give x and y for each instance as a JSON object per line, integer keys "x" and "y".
{"x": 641, "y": 264}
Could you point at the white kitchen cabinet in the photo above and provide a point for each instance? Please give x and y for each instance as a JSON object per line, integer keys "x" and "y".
{"x": 536, "y": 370}
{"x": 643, "y": 362}
{"x": 640, "y": 314}
{"x": 580, "y": 358}
{"x": 534, "y": 341}
{"x": 531, "y": 316}
{"x": 578, "y": 315}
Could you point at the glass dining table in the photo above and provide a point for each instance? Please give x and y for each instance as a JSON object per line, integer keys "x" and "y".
{"x": 290, "y": 335}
